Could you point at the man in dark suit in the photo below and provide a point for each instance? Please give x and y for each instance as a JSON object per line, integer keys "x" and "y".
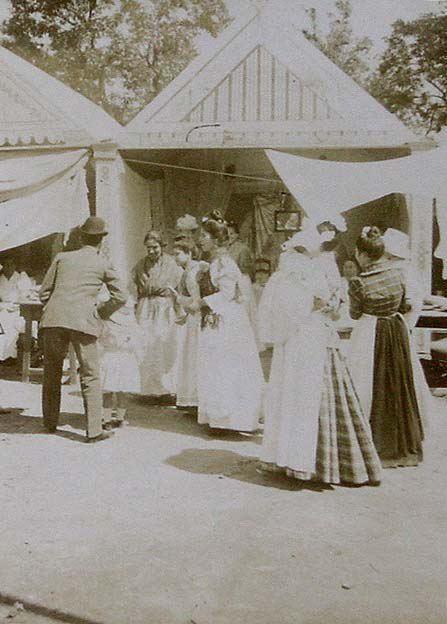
{"x": 71, "y": 315}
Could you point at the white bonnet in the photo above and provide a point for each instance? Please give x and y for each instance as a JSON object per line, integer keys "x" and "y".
{"x": 397, "y": 243}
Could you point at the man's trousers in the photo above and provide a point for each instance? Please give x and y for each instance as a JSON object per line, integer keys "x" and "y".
{"x": 56, "y": 341}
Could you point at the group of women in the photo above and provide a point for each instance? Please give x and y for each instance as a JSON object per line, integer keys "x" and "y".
{"x": 327, "y": 417}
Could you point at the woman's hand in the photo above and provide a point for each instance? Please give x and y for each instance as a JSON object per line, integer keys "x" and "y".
{"x": 168, "y": 292}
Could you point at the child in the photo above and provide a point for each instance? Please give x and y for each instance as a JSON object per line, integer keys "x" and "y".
{"x": 121, "y": 346}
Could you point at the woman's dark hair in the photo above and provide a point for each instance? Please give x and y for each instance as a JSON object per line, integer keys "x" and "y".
{"x": 91, "y": 239}
{"x": 215, "y": 215}
{"x": 371, "y": 243}
{"x": 156, "y": 236}
{"x": 216, "y": 227}
{"x": 233, "y": 225}
{"x": 187, "y": 246}
{"x": 330, "y": 245}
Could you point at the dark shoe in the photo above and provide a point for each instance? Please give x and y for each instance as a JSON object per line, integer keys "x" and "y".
{"x": 50, "y": 428}
{"x": 102, "y": 436}
{"x": 117, "y": 424}
{"x": 107, "y": 426}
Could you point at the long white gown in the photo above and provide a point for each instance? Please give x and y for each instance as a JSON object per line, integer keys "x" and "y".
{"x": 299, "y": 336}
{"x": 314, "y": 425}
{"x": 230, "y": 379}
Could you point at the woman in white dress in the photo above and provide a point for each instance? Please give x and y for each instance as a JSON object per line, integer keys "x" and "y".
{"x": 314, "y": 425}
{"x": 187, "y": 305}
{"x": 153, "y": 277}
{"x": 241, "y": 254}
{"x": 230, "y": 379}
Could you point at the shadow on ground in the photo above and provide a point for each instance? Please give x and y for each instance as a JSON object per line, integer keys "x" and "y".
{"x": 15, "y": 422}
{"x": 239, "y": 467}
{"x": 144, "y": 414}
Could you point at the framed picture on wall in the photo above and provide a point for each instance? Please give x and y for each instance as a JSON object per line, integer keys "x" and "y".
{"x": 287, "y": 220}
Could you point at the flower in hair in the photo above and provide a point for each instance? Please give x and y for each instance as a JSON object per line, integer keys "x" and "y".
{"x": 327, "y": 236}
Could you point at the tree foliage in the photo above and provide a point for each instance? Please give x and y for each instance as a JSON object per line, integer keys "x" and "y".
{"x": 339, "y": 43}
{"x": 411, "y": 79}
{"x": 118, "y": 53}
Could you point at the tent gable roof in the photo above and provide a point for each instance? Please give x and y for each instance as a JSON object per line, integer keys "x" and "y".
{"x": 261, "y": 88}
{"x": 38, "y": 109}
{"x": 263, "y": 70}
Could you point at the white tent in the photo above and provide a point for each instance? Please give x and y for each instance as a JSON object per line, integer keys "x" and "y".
{"x": 326, "y": 189}
{"x": 41, "y": 194}
{"x": 46, "y": 129}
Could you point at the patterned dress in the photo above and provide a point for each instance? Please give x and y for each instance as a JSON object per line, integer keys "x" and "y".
{"x": 156, "y": 316}
{"x": 381, "y": 362}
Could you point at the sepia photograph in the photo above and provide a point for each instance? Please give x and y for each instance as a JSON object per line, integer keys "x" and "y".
{"x": 223, "y": 311}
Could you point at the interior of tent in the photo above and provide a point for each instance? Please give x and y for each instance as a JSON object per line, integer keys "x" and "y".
{"x": 247, "y": 189}
{"x": 44, "y": 197}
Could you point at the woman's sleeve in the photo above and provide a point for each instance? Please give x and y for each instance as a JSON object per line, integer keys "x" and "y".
{"x": 134, "y": 285}
{"x": 413, "y": 298}
{"x": 226, "y": 277}
{"x": 175, "y": 274}
{"x": 192, "y": 284}
{"x": 355, "y": 292}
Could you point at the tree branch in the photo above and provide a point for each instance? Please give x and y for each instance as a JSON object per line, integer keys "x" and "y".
{"x": 437, "y": 87}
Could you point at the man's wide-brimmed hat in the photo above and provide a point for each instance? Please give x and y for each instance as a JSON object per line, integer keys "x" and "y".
{"x": 94, "y": 226}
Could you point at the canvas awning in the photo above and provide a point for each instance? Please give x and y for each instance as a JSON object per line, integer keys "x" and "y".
{"x": 40, "y": 195}
{"x": 326, "y": 189}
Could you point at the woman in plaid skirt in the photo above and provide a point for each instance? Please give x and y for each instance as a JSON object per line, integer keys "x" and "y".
{"x": 314, "y": 425}
{"x": 380, "y": 354}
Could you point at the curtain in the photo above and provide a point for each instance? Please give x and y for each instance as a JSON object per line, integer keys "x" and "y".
{"x": 326, "y": 189}
{"x": 41, "y": 195}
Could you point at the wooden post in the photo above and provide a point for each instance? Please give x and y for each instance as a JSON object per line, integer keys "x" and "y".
{"x": 420, "y": 210}
{"x": 107, "y": 171}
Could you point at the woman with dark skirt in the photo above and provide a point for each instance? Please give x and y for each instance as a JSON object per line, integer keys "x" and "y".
{"x": 380, "y": 354}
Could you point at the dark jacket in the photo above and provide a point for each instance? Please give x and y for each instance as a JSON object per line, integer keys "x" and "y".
{"x": 70, "y": 289}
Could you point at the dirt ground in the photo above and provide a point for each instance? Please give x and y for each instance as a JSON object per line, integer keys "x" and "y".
{"x": 164, "y": 524}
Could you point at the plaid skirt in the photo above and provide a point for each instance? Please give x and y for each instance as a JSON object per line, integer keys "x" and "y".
{"x": 345, "y": 449}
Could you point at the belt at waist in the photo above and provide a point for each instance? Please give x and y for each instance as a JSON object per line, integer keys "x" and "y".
{"x": 384, "y": 316}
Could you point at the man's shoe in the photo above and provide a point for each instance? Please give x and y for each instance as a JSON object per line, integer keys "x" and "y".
{"x": 102, "y": 436}
{"x": 49, "y": 429}
{"x": 107, "y": 426}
